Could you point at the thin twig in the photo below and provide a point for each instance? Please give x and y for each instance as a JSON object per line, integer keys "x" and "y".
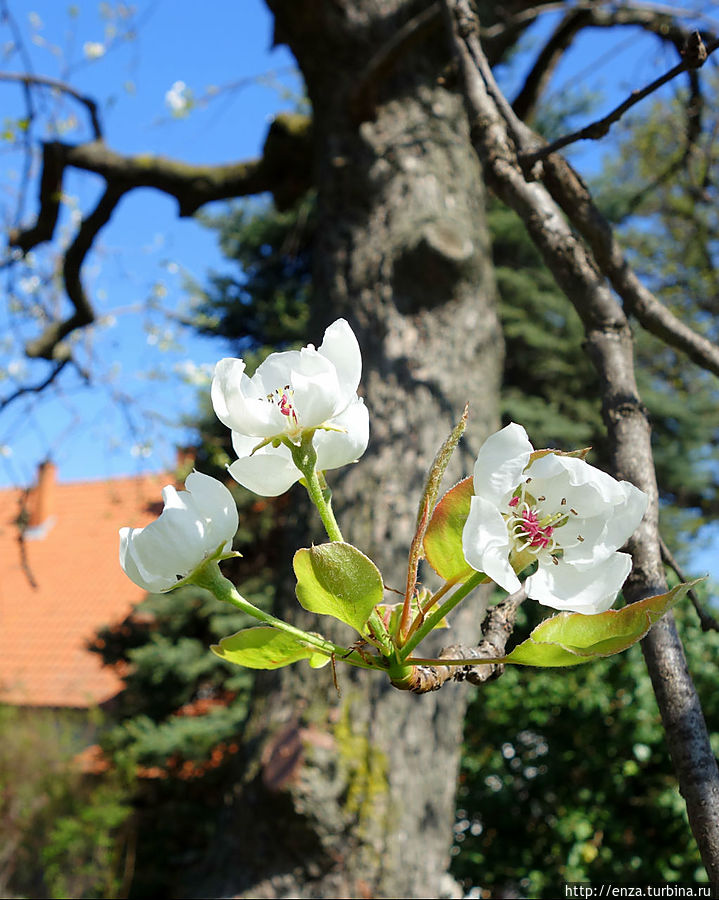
{"x": 695, "y": 56}
{"x": 708, "y": 622}
{"x": 54, "y": 84}
{"x": 33, "y": 388}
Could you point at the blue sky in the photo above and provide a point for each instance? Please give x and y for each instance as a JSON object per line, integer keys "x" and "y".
{"x": 128, "y": 420}
{"x": 146, "y": 368}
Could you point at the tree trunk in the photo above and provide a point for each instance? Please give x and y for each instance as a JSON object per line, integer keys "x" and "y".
{"x": 354, "y": 796}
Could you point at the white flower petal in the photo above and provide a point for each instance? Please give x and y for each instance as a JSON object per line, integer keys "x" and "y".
{"x": 627, "y": 515}
{"x": 486, "y": 544}
{"x": 269, "y": 472}
{"x": 591, "y": 489}
{"x": 290, "y": 392}
{"x": 275, "y": 372}
{"x": 315, "y": 392}
{"x": 241, "y": 402}
{"x": 191, "y": 527}
{"x": 591, "y": 589}
{"x": 340, "y": 347}
{"x": 500, "y": 463}
{"x": 153, "y": 584}
{"x": 215, "y": 504}
{"x": 569, "y": 516}
{"x": 338, "y": 448}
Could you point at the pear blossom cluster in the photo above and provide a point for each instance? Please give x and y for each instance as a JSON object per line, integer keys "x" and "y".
{"x": 546, "y": 516}
{"x": 557, "y": 511}
{"x": 289, "y": 394}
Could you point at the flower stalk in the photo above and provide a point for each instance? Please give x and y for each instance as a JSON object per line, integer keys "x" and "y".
{"x": 304, "y": 456}
{"x": 432, "y": 620}
{"x": 211, "y": 579}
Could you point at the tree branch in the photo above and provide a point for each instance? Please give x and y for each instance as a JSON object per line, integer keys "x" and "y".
{"x": 663, "y": 21}
{"x": 497, "y": 627}
{"x": 48, "y": 345}
{"x": 550, "y": 55}
{"x": 572, "y": 195}
{"x": 42, "y": 81}
{"x": 35, "y": 388}
{"x": 495, "y": 133}
{"x": 284, "y": 169}
{"x": 708, "y": 623}
{"x": 695, "y": 55}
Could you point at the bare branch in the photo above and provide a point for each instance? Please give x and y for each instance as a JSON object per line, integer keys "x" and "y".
{"x": 49, "y": 345}
{"x": 695, "y": 56}
{"x": 34, "y": 388}
{"x": 570, "y": 192}
{"x": 538, "y": 78}
{"x": 498, "y": 137}
{"x": 708, "y": 622}
{"x": 54, "y": 84}
{"x": 662, "y": 21}
{"x": 283, "y": 169}
{"x": 496, "y": 630}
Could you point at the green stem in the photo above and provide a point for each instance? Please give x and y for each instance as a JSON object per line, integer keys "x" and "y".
{"x": 425, "y": 608}
{"x": 470, "y": 661}
{"x": 211, "y": 579}
{"x": 432, "y": 620}
{"x": 305, "y": 458}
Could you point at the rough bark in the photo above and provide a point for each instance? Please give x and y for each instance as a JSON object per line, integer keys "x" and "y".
{"x": 354, "y": 797}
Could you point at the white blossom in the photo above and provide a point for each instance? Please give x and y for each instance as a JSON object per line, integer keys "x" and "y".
{"x": 289, "y": 394}
{"x": 557, "y": 510}
{"x": 93, "y": 49}
{"x": 195, "y": 525}
{"x": 178, "y": 99}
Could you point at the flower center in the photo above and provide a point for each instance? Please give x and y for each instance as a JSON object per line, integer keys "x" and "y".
{"x": 283, "y": 398}
{"x": 534, "y": 529}
{"x": 530, "y": 530}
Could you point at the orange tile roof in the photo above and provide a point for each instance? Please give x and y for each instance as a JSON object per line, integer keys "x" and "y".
{"x": 70, "y": 585}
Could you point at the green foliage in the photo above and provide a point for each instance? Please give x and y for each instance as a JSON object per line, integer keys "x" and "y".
{"x": 443, "y": 539}
{"x": 62, "y": 833}
{"x": 86, "y": 845}
{"x": 571, "y": 639}
{"x": 264, "y": 647}
{"x": 566, "y": 777}
{"x": 338, "y": 580}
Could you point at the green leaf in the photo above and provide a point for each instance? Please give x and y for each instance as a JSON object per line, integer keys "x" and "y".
{"x": 318, "y": 660}
{"x": 263, "y": 648}
{"x": 338, "y": 580}
{"x": 443, "y": 539}
{"x": 570, "y": 639}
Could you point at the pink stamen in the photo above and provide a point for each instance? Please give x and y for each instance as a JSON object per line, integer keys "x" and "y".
{"x": 538, "y": 535}
{"x": 514, "y": 501}
{"x": 286, "y": 407}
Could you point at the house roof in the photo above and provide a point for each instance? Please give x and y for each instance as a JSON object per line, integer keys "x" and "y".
{"x": 63, "y": 582}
